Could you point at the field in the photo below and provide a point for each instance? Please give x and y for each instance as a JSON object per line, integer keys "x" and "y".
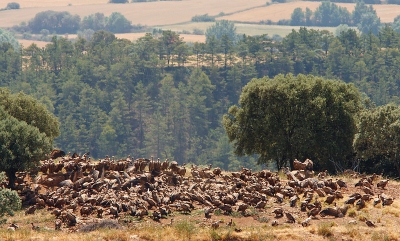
{"x": 276, "y": 12}
{"x": 243, "y": 28}
{"x": 253, "y": 224}
{"x": 150, "y": 14}
{"x": 176, "y": 15}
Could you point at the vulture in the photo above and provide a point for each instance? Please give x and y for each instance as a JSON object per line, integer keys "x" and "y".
{"x": 382, "y": 183}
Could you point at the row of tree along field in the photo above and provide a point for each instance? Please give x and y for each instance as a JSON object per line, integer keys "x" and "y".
{"x": 64, "y": 22}
{"x": 330, "y": 14}
{"x": 161, "y": 97}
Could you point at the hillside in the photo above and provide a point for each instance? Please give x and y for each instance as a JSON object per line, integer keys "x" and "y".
{"x": 147, "y": 203}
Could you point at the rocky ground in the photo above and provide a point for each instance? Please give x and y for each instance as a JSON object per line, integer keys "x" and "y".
{"x": 72, "y": 195}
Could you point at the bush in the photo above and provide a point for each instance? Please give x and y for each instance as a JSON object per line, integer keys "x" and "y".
{"x": 13, "y": 5}
{"x": 9, "y": 202}
{"x": 59, "y": 22}
{"x": 118, "y": 1}
{"x": 325, "y": 229}
{"x": 198, "y": 31}
{"x": 203, "y": 18}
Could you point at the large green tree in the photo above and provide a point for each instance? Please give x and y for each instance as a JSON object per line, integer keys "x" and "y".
{"x": 378, "y": 139}
{"x": 290, "y": 117}
{"x": 27, "y": 130}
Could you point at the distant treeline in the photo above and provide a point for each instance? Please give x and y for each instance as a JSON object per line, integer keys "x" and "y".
{"x": 64, "y": 22}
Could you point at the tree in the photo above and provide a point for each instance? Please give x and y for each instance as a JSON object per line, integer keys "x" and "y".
{"x": 9, "y": 200}
{"x": 59, "y": 22}
{"x": 297, "y": 18}
{"x": 7, "y": 37}
{"x": 221, "y": 28}
{"x": 378, "y": 139}
{"x": 117, "y": 23}
{"x": 369, "y": 22}
{"x": 27, "y": 131}
{"x": 292, "y": 117}
{"x": 13, "y": 5}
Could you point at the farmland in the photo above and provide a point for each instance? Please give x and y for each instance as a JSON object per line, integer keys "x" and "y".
{"x": 176, "y": 15}
{"x": 276, "y": 12}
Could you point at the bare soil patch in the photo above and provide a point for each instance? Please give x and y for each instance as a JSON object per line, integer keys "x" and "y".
{"x": 278, "y": 11}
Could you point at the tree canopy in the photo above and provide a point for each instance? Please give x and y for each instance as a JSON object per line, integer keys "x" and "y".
{"x": 378, "y": 139}
{"x": 290, "y": 117}
{"x": 27, "y": 131}
{"x": 7, "y": 37}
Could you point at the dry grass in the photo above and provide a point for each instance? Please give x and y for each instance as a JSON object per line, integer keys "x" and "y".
{"x": 150, "y": 13}
{"x": 26, "y": 43}
{"x": 242, "y": 28}
{"x": 276, "y": 12}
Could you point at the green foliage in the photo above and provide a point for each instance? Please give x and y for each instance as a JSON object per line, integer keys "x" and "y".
{"x": 58, "y": 22}
{"x": 117, "y": 23}
{"x": 27, "y": 131}
{"x": 13, "y": 5}
{"x": 203, "y": 18}
{"x": 378, "y": 139}
{"x": 118, "y": 1}
{"x": 64, "y": 22}
{"x": 327, "y": 14}
{"x": 7, "y": 37}
{"x": 369, "y": 23}
{"x": 118, "y": 97}
{"x": 221, "y": 28}
{"x": 25, "y": 108}
{"x": 292, "y": 117}
{"x": 297, "y": 18}
{"x": 96, "y": 21}
{"x": 9, "y": 202}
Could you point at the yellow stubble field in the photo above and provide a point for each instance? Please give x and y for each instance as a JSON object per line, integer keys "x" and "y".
{"x": 145, "y": 13}
{"x": 278, "y": 11}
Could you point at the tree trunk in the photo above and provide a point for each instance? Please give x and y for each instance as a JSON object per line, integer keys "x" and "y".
{"x": 11, "y": 178}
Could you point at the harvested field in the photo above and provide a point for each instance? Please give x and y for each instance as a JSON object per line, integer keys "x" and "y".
{"x": 278, "y": 11}
{"x": 25, "y": 43}
{"x": 134, "y": 36}
{"x": 186, "y": 37}
{"x": 145, "y": 13}
{"x": 53, "y": 3}
{"x": 243, "y": 28}
{"x": 145, "y": 199}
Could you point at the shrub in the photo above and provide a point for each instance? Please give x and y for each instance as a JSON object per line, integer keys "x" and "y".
{"x": 13, "y": 5}
{"x": 118, "y": 1}
{"x": 203, "y": 18}
{"x": 198, "y": 31}
{"x": 185, "y": 228}
{"x": 9, "y": 202}
{"x": 325, "y": 229}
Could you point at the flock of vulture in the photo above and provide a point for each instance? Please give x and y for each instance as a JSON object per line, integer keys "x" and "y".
{"x": 72, "y": 187}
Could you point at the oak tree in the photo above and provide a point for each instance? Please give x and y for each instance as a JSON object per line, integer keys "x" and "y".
{"x": 290, "y": 117}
